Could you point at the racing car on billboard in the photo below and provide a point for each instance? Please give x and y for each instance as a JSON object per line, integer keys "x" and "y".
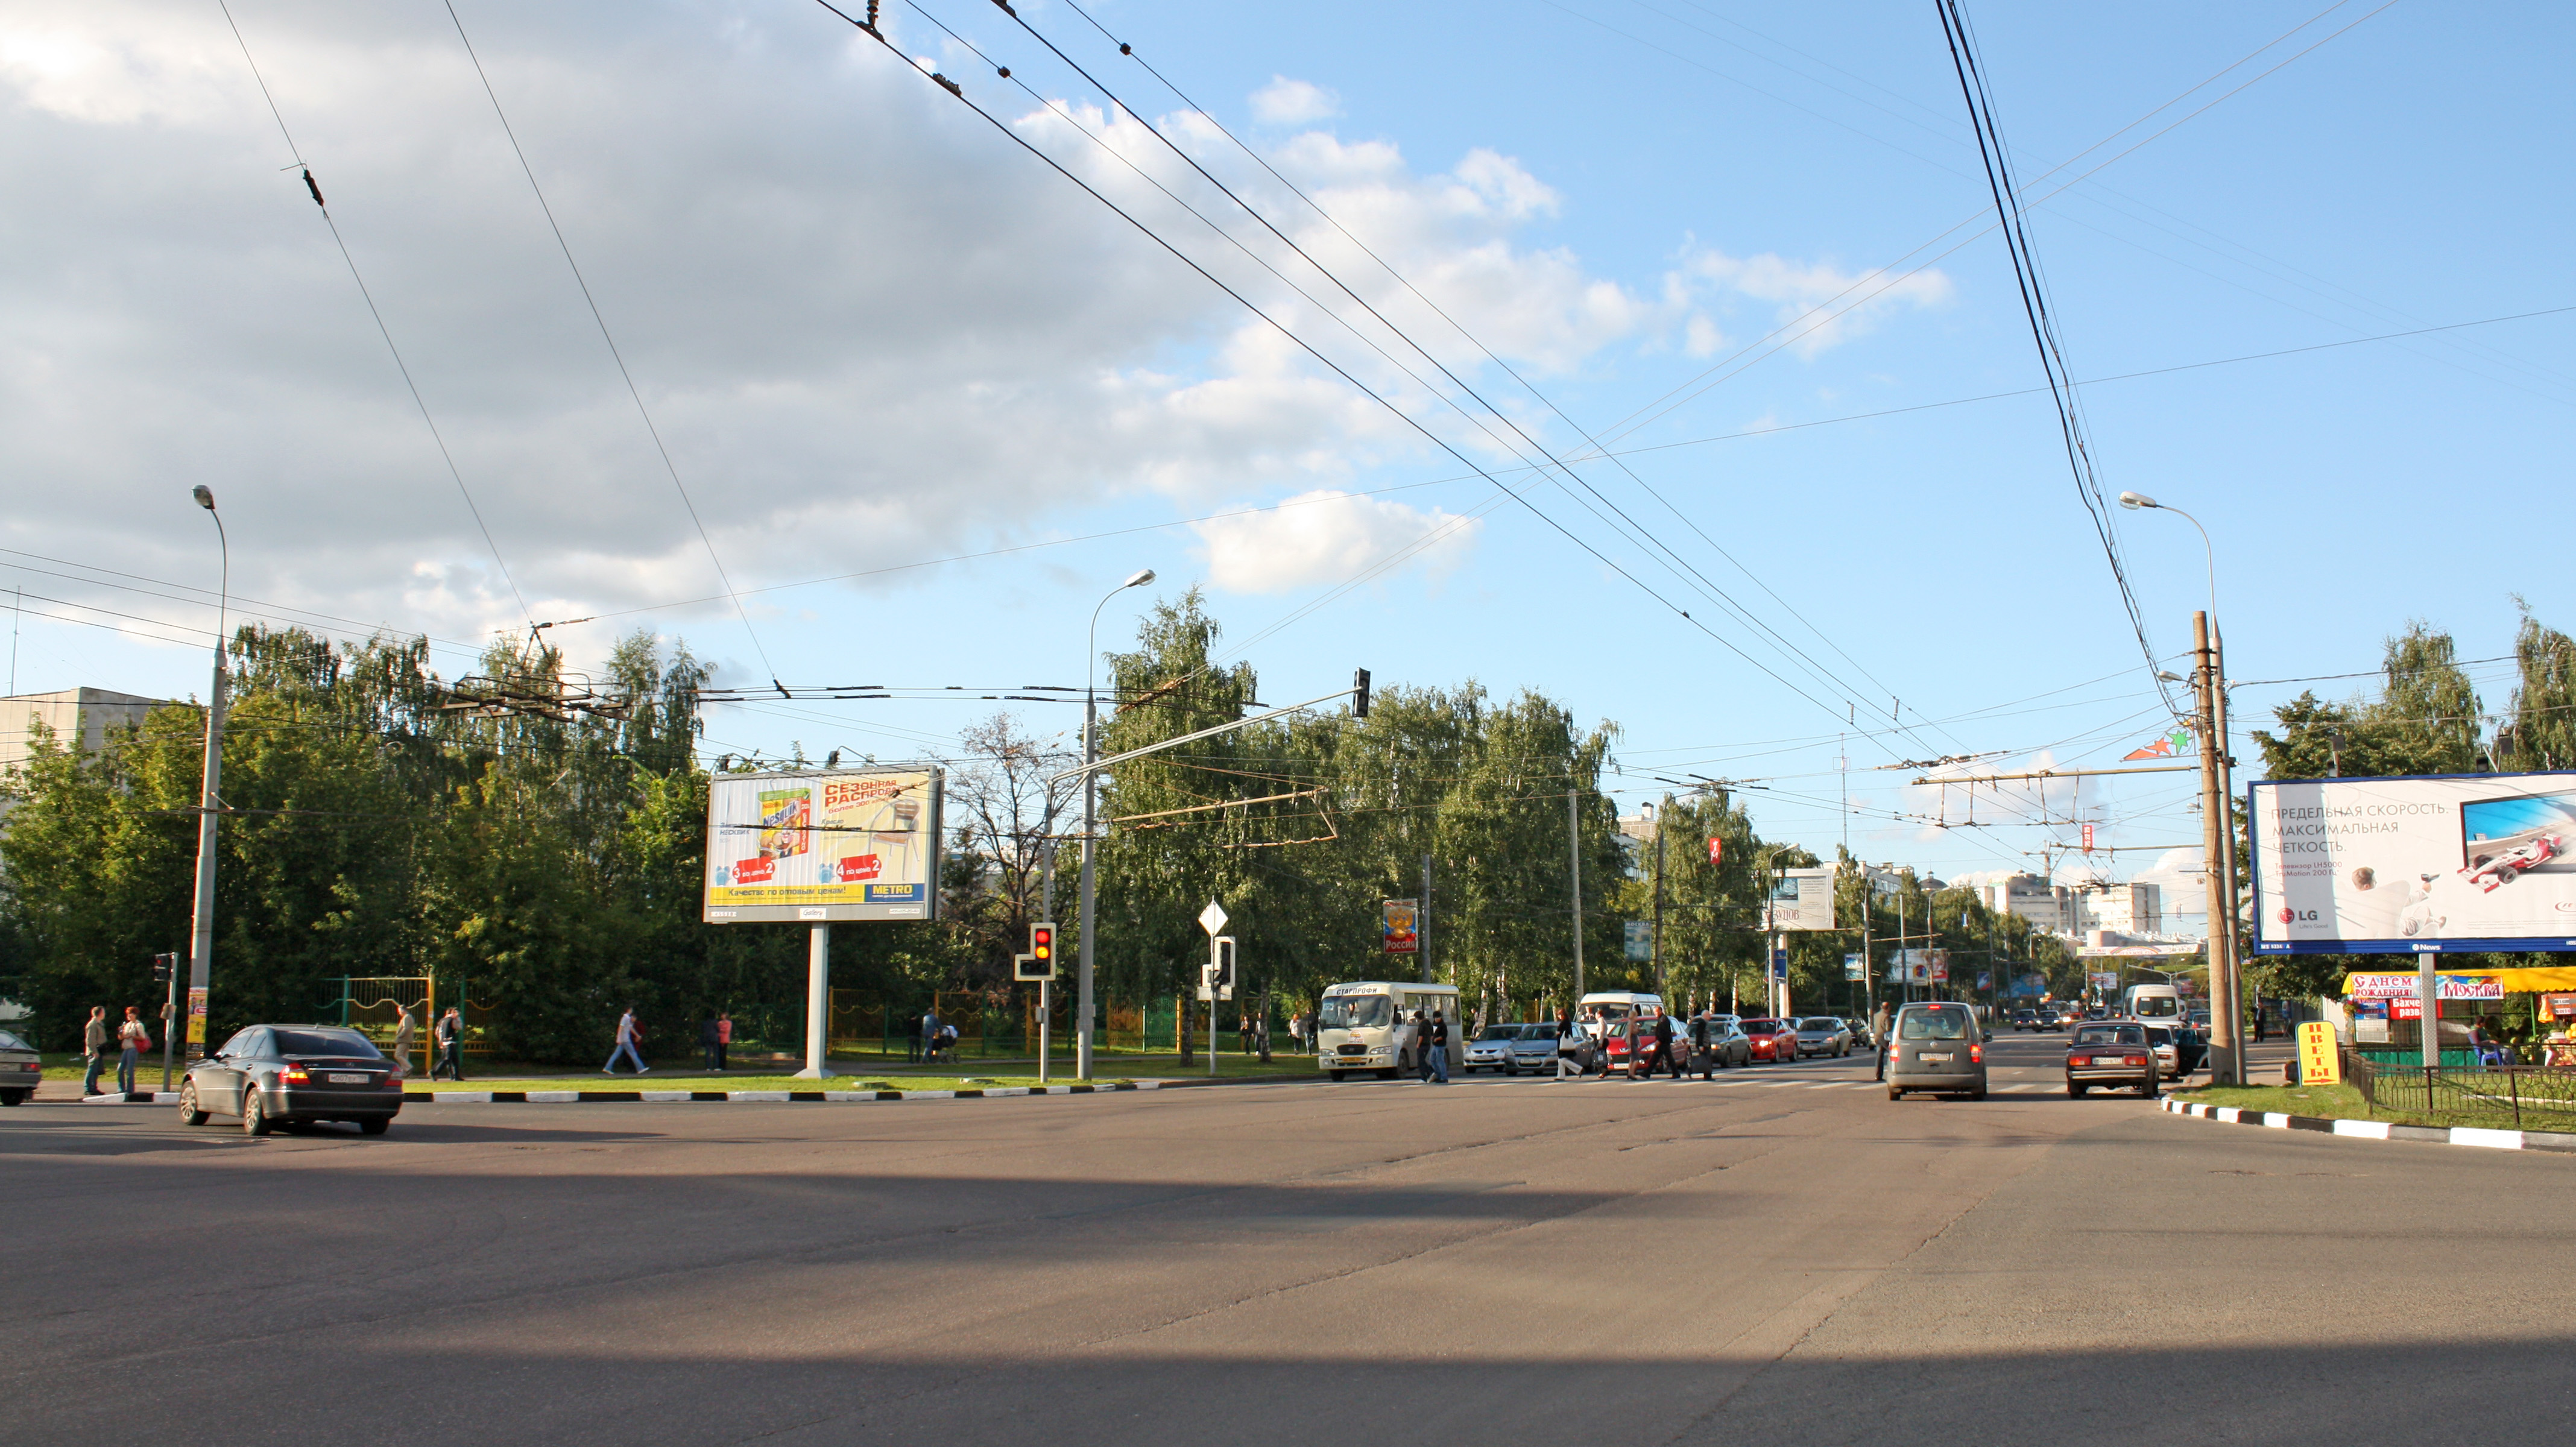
{"x": 2489, "y": 874}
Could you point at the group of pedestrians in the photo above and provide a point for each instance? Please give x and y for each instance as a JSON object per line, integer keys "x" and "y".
{"x": 129, "y": 1039}
{"x": 447, "y": 1037}
{"x": 1422, "y": 1045}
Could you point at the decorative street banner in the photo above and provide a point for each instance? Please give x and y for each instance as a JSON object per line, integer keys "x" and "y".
{"x": 2172, "y": 745}
{"x": 2399, "y": 865}
{"x": 1399, "y": 931}
{"x": 1716, "y": 850}
{"x": 1640, "y": 940}
{"x": 838, "y": 844}
{"x": 1855, "y": 967}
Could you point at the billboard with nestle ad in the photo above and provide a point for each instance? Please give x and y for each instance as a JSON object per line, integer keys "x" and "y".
{"x": 2414, "y": 865}
{"x": 823, "y": 845}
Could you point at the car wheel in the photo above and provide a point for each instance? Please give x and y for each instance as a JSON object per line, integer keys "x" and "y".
{"x": 255, "y": 1119}
{"x": 1895, "y": 1094}
{"x": 13, "y": 1097}
{"x": 2148, "y": 1089}
{"x": 2078, "y": 1091}
{"x": 189, "y": 1114}
{"x": 376, "y": 1126}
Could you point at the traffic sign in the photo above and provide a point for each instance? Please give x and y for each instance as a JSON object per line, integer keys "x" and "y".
{"x": 1780, "y": 964}
{"x": 1212, "y": 918}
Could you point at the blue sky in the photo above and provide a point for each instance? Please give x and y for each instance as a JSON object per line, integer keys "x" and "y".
{"x": 876, "y": 333}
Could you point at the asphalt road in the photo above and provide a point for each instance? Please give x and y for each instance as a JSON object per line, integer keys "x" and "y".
{"x": 1780, "y": 1256}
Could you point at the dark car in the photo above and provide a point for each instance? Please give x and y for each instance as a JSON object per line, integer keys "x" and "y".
{"x": 20, "y": 1069}
{"x": 1773, "y": 1040}
{"x": 1863, "y": 1038}
{"x": 272, "y": 1075}
{"x": 1718, "y": 1042}
{"x": 2028, "y": 1020}
{"x": 2112, "y": 1054}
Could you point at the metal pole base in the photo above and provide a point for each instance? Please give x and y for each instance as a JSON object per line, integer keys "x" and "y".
{"x": 814, "y": 1072}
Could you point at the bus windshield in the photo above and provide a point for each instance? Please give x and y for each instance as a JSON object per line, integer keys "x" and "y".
{"x": 2155, "y": 1007}
{"x": 1357, "y": 1012}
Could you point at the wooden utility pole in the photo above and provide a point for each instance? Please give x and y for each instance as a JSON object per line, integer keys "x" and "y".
{"x": 2226, "y": 1033}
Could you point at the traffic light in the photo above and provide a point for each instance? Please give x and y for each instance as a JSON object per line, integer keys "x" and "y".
{"x": 1042, "y": 945}
{"x": 1028, "y": 970}
{"x": 162, "y": 967}
{"x": 1359, "y": 694}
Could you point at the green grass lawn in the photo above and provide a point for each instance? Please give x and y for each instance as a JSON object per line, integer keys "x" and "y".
{"x": 2334, "y": 1102}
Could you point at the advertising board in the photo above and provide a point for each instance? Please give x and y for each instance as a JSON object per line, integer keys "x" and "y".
{"x": 823, "y": 845}
{"x": 1803, "y": 899}
{"x": 2414, "y": 865}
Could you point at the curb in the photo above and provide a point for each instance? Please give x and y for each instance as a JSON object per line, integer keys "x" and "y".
{"x": 2380, "y": 1130}
{"x": 683, "y": 1097}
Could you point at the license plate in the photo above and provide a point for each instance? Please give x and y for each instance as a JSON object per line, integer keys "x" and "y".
{"x": 346, "y": 1079}
{"x": 1927, "y": 1055}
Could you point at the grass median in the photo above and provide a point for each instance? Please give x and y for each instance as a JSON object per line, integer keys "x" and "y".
{"x": 2344, "y": 1102}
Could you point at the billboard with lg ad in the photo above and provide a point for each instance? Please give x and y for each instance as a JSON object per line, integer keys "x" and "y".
{"x": 2414, "y": 865}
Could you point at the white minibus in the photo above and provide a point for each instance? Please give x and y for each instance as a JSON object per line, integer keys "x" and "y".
{"x": 2152, "y": 1002}
{"x": 1356, "y": 1026}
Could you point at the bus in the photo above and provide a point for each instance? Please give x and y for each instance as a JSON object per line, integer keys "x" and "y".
{"x": 1356, "y": 1025}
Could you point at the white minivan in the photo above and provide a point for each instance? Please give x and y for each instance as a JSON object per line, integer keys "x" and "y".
{"x": 1356, "y": 1024}
{"x": 2158, "y": 1004}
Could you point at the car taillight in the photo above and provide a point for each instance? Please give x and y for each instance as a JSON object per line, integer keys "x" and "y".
{"x": 2137, "y": 1060}
{"x": 294, "y": 1075}
{"x": 1976, "y": 1055}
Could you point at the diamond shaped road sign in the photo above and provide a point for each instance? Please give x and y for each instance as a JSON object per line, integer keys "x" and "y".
{"x": 1212, "y": 918}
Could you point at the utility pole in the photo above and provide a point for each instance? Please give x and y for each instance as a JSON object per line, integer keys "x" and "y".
{"x": 2226, "y": 1046}
{"x": 1868, "y": 970}
{"x": 1657, "y": 947}
{"x": 1422, "y": 926}
{"x": 1574, "y": 856}
{"x": 201, "y": 936}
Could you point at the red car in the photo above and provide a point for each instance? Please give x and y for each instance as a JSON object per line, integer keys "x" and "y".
{"x": 1773, "y": 1040}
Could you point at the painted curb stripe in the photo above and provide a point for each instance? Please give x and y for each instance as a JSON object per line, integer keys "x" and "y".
{"x": 2457, "y": 1135}
{"x": 749, "y": 1097}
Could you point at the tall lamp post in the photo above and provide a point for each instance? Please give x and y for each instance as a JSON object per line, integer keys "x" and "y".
{"x": 2227, "y": 1065}
{"x": 1090, "y": 795}
{"x": 201, "y": 945}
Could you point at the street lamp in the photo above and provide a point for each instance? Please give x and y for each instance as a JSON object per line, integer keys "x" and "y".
{"x": 201, "y": 945}
{"x": 2218, "y": 830}
{"x": 1090, "y": 795}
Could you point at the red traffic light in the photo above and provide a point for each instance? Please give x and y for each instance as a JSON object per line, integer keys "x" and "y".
{"x": 1042, "y": 943}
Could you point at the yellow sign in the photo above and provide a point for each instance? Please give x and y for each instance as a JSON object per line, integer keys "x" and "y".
{"x": 2319, "y": 1063}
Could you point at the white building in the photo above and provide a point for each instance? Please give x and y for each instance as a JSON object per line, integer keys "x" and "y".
{"x": 2055, "y": 908}
{"x": 2128, "y": 909}
{"x": 85, "y": 714}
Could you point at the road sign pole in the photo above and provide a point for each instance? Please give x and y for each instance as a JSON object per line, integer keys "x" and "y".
{"x": 1046, "y": 1007}
{"x": 1574, "y": 857}
{"x": 818, "y": 1000}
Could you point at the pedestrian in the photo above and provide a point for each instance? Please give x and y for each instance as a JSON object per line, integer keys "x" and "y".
{"x": 1568, "y": 1059}
{"x": 1663, "y": 1047}
{"x": 94, "y": 1048}
{"x": 724, "y": 1042}
{"x": 406, "y": 1029}
{"x": 449, "y": 1035}
{"x": 1435, "y": 1050}
{"x": 628, "y": 1033}
{"x": 1878, "y": 1035}
{"x": 912, "y": 1041}
{"x": 707, "y": 1043}
{"x": 132, "y": 1039}
{"x": 932, "y": 1034}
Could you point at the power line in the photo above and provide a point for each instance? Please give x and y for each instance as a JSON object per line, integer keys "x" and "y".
{"x": 604, "y": 335}
{"x": 382, "y": 330}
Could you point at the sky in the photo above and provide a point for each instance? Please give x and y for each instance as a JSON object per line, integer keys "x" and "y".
{"x": 1658, "y": 356}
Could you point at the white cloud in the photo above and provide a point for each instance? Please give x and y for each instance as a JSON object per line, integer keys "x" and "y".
{"x": 1818, "y": 305}
{"x": 1286, "y": 102}
{"x": 1329, "y": 537}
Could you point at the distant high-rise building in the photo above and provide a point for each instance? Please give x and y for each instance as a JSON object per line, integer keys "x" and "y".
{"x": 83, "y": 714}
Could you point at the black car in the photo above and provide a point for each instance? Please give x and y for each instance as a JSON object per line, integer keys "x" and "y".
{"x": 2027, "y": 1020}
{"x": 21, "y": 1068}
{"x": 272, "y": 1075}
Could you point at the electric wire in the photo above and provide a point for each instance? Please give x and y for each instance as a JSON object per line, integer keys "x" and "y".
{"x": 659, "y": 446}
{"x": 381, "y": 328}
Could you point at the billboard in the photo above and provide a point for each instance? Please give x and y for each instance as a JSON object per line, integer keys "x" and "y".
{"x": 822, "y": 845}
{"x": 2413, "y": 865}
{"x": 1802, "y": 899}
{"x": 1918, "y": 967}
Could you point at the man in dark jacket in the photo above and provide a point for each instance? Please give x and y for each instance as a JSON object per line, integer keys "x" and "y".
{"x": 1663, "y": 1048}
{"x": 707, "y": 1041}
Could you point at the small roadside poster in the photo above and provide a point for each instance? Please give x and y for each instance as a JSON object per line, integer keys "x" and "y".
{"x": 2319, "y": 1064}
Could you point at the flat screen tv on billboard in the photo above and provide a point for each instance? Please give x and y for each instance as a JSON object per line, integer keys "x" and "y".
{"x": 823, "y": 845}
{"x": 2414, "y": 865}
